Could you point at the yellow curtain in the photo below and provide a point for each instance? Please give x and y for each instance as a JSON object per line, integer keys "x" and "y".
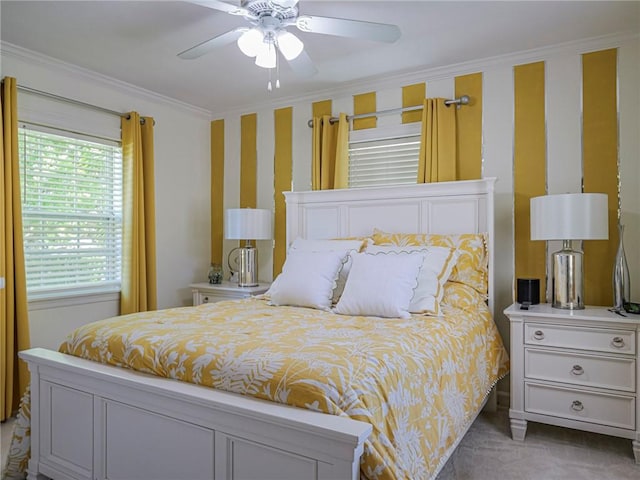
{"x": 138, "y": 292}
{"x": 437, "y": 162}
{"x": 330, "y": 160}
{"x": 14, "y": 316}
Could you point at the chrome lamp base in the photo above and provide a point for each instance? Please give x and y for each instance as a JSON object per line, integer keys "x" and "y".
{"x": 567, "y": 287}
{"x": 247, "y": 266}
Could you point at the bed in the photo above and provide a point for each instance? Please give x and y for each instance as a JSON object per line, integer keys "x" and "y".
{"x": 94, "y": 420}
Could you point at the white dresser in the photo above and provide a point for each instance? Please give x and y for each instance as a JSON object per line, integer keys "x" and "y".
{"x": 576, "y": 369}
{"x": 209, "y": 292}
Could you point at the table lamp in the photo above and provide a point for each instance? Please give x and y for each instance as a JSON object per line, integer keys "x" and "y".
{"x": 567, "y": 217}
{"x": 247, "y": 224}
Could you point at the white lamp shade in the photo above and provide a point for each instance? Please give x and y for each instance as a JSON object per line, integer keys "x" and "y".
{"x": 571, "y": 216}
{"x": 250, "y": 42}
{"x": 290, "y": 45}
{"x": 248, "y": 224}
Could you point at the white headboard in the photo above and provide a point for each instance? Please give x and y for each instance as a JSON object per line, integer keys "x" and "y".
{"x": 444, "y": 207}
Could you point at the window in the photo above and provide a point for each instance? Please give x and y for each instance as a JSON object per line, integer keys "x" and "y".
{"x": 384, "y": 156}
{"x": 71, "y": 189}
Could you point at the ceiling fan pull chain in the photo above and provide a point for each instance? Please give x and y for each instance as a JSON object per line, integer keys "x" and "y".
{"x": 277, "y": 68}
{"x": 269, "y": 82}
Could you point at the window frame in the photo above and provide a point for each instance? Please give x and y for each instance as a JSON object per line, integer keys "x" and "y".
{"x": 74, "y": 294}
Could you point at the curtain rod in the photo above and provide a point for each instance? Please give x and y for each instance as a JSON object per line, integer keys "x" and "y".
{"x": 60, "y": 98}
{"x": 463, "y": 100}
{"x": 70, "y": 100}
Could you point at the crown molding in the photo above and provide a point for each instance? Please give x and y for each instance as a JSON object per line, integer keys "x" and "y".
{"x": 30, "y": 56}
{"x": 382, "y": 82}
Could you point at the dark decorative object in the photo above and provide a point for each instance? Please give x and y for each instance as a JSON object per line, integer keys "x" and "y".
{"x": 215, "y": 273}
{"x": 528, "y": 292}
{"x": 621, "y": 277}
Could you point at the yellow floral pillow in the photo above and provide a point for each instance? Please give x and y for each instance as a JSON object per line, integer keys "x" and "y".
{"x": 473, "y": 257}
{"x": 461, "y": 296}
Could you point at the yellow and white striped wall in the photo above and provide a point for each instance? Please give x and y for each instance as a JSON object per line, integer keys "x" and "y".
{"x": 556, "y": 120}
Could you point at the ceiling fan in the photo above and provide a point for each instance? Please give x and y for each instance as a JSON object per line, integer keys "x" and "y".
{"x": 267, "y": 34}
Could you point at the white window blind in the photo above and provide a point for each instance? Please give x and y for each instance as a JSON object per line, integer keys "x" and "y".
{"x": 71, "y": 191}
{"x": 384, "y": 156}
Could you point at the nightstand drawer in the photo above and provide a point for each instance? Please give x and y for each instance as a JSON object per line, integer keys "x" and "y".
{"x": 604, "y": 409}
{"x": 211, "y": 293}
{"x": 594, "y": 339}
{"x": 212, "y": 298}
{"x": 590, "y": 370}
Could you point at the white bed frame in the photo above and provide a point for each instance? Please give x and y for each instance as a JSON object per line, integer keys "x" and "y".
{"x": 96, "y": 422}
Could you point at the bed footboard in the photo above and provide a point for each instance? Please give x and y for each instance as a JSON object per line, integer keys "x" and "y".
{"x": 92, "y": 421}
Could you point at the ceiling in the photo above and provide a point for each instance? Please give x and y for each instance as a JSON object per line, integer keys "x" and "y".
{"x": 137, "y": 41}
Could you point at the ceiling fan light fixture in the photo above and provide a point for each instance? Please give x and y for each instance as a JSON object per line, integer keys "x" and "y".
{"x": 290, "y": 45}
{"x": 266, "y": 57}
{"x": 250, "y": 42}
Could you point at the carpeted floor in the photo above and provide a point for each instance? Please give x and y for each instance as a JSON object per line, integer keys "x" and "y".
{"x": 548, "y": 453}
{"x": 487, "y": 452}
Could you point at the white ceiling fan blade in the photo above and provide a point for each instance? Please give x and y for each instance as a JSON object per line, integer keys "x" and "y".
{"x": 285, "y": 3}
{"x": 303, "y": 66}
{"x": 379, "y": 32}
{"x": 223, "y": 6}
{"x": 208, "y": 45}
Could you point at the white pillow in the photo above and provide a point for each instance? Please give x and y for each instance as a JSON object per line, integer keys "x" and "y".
{"x": 307, "y": 280}
{"x": 434, "y": 273}
{"x": 345, "y": 247}
{"x": 380, "y": 285}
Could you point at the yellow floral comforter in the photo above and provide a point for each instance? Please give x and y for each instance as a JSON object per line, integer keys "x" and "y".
{"x": 418, "y": 381}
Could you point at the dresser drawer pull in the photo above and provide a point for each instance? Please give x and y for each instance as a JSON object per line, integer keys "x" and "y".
{"x": 577, "y": 370}
{"x": 577, "y": 406}
{"x": 618, "y": 342}
{"x": 538, "y": 334}
{"x": 205, "y": 299}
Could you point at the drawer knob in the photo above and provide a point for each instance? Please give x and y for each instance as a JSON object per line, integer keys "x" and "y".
{"x": 577, "y": 370}
{"x": 577, "y": 406}
{"x": 618, "y": 342}
{"x": 205, "y": 299}
{"x": 538, "y": 334}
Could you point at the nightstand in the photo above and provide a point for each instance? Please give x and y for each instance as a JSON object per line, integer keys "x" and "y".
{"x": 209, "y": 292}
{"x": 576, "y": 369}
